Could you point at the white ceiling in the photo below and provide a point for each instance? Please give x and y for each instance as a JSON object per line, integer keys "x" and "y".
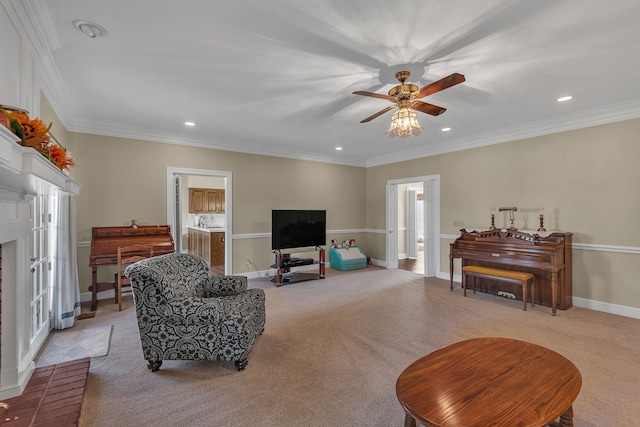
{"x": 276, "y": 77}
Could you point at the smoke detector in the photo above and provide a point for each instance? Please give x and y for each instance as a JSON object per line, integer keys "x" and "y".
{"x": 90, "y": 29}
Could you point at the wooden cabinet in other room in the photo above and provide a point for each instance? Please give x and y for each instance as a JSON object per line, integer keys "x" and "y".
{"x": 208, "y": 246}
{"x": 215, "y": 201}
{"x": 206, "y": 200}
{"x": 217, "y": 248}
{"x": 197, "y": 200}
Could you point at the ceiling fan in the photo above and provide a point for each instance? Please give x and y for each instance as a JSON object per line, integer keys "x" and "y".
{"x": 405, "y": 97}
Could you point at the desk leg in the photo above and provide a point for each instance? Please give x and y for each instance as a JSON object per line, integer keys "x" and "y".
{"x": 450, "y": 273}
{"x": 409, "y": 421}
{"x": 94, "y": 288}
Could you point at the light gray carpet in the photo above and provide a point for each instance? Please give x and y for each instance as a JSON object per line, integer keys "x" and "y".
{"x": 75, "y": 343}
{"x": 333, "y": 349}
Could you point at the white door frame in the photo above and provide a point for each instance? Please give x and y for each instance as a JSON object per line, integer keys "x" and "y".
{"x": 431, "y": 188}
{"x": 228, "y": 197}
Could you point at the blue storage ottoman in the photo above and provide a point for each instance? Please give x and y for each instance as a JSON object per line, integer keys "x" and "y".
{"x": 351, "y": 258}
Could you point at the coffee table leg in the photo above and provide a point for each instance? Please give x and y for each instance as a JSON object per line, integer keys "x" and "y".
{"x": 566, "y": 419}
{"x": 409, "y": 421}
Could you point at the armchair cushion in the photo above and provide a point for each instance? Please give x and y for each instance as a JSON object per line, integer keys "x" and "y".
{"x": 219, "y": 286}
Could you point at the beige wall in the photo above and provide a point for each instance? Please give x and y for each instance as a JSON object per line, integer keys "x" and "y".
{"x": 584, "y": 179}
{"x": 125, "y": 179}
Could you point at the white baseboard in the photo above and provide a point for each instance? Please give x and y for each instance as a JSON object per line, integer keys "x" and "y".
{"x": 606, "y": 307}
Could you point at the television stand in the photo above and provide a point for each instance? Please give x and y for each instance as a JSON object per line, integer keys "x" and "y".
{"x": 284, "y": 263}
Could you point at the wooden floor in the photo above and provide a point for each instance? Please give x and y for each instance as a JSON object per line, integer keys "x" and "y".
{"x": 415, "y": 265}
{"x": 52, "y": 397}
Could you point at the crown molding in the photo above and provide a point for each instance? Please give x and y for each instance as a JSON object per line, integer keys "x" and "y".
{"x": 583, "y": 119}
{"x": 579, "y": 120}
{"x": 93, "y": 128}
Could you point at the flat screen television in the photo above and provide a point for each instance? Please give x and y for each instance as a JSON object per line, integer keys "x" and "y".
{"x": 298, "y": 228}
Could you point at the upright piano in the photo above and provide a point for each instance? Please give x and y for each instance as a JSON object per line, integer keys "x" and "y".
{"x": 546, "y": 255}
{"x": 106, "y": 240}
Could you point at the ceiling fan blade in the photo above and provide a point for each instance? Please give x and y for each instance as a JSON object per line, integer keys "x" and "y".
{"x": 374, "y": 95}
{"x": 441, "y": 84}
{"x": 434, "y": 110}
{"x": 379, "y": 113}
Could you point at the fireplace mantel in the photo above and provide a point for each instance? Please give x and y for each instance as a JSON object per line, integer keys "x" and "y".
{"x": 24, "y": 170}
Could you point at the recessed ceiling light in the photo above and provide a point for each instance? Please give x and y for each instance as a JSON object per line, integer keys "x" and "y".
{"x": 90, "y": 29}
{"x": 189, "y": 124}
{"x": 445, "y": 129}
{"x": 338, "y": 148}
{"x": 564, "y": 98}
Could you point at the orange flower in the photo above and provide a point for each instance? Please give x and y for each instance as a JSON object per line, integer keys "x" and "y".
{"x": 58, "y": 155}
{"x": 33, "y": 131}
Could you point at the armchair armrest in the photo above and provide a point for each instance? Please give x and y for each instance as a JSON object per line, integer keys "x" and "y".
{"x": 219, "y": 286}
{"x": 193, "y": 310}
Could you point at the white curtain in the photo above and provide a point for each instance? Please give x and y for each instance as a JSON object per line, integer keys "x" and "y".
{"x": 66, "y": 287}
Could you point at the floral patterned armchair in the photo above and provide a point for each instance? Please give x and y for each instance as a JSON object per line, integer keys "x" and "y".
{"x": 184, "y": 313}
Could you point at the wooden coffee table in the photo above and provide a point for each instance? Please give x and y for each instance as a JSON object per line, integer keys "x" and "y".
{"x": 489, "y": 381}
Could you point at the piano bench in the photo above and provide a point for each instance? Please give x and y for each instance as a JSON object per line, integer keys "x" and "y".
{"x": 504, "y": 275}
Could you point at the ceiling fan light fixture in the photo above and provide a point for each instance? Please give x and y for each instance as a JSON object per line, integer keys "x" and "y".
{"x": 404, "y": 123}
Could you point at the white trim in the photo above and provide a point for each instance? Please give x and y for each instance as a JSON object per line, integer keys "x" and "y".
{"x": 268, "y": 235}
{"x": 579, "y": 246}
{"x": 607, "y": 248}
{"x": 605, "y": 307}
{"x": 228, "y": 195}
{"x": 582, "y": 119}
{"x": 449, "y": 236}
{"x": 582, "y": 246}
{"x": 251, "y": 236}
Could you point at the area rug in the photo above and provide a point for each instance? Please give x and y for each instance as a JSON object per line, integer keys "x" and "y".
{"x": 68, "y": 344}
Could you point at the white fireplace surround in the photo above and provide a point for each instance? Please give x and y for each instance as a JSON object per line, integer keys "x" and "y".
{"x": 24, "y": 174}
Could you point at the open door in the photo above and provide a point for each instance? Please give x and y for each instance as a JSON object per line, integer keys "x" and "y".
{"x": 432, "y": 230}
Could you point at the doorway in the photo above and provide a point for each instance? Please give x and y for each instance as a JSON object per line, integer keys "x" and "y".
{"x": 177, "y": 199}
{"x": 411, "y": 227}
{"x": 404, "y": 225}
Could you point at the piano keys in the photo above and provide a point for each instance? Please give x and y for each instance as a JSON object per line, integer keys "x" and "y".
{"x": 546, "y": 255}
{"x": 106, "y": 240}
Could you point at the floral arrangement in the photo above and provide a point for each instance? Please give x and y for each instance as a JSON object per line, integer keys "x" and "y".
{"x": 34, "y": 133}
